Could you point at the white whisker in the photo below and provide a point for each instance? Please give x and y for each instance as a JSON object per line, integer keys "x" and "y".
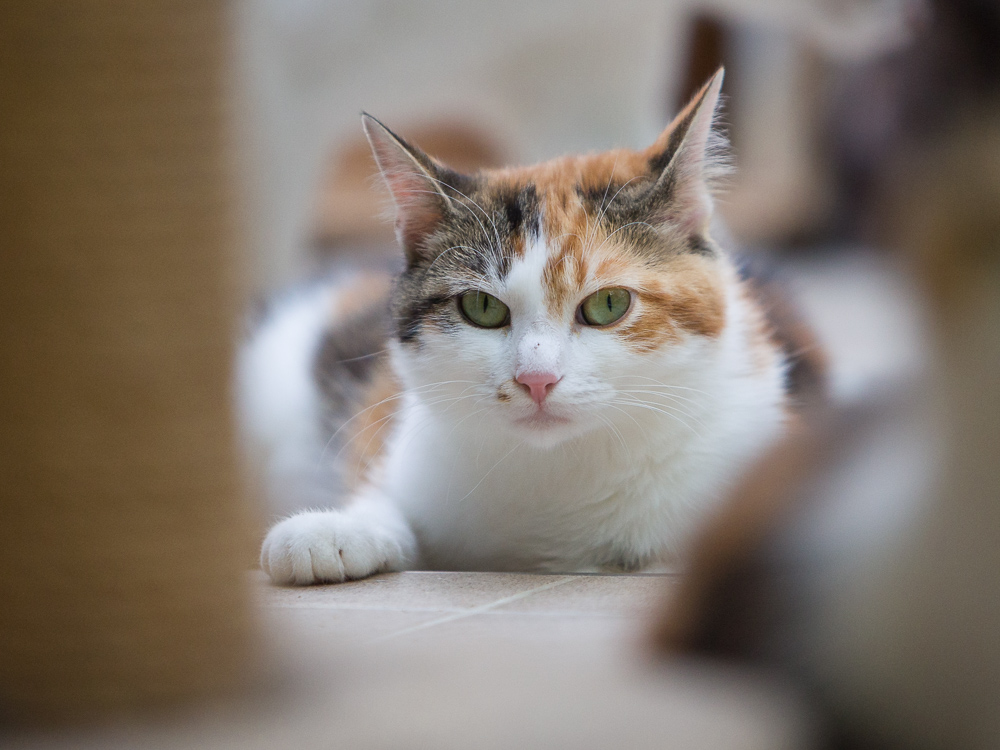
{"x": 625, "y": 226}
{"x": 661, "y": 409}
{"x": 516, "y": 446}
{"x": 398, "y": 395}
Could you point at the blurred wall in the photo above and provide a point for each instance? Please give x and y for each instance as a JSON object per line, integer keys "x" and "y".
{"x": 541, "y": 77}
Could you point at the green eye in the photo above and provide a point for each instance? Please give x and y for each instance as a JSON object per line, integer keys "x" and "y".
{"x": 484, "y": 309}
{"x": 604, "y": 307}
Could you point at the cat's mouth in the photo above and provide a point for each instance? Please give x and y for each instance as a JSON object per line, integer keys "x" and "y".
{"x": 542, "y": 419}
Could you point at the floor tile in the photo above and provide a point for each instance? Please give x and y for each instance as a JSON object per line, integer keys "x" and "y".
{"x": 414, "y": 591}
{"x": 492, "y": 629}
{"x": 597, "y": 595}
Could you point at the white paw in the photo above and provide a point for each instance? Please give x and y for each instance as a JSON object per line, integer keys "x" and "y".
{"x": 329, "y": 547}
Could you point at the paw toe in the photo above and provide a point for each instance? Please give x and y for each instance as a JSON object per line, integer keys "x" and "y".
{"x": 325, "y": 562}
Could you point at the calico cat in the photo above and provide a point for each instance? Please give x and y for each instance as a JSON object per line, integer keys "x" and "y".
{"x": 567, "y": 376}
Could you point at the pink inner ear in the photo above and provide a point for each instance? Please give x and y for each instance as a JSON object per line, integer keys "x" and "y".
{"x": 418, "y": 205}
{"x": 690, "y": 205}
{"x": 406, "y": 184}
{"x": 414, "y": 224}
{"x": 690, "y": 210}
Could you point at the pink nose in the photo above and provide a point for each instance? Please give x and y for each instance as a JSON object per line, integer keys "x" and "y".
{"x": 538, "y": 384}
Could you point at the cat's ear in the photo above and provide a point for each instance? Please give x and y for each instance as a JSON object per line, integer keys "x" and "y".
{"x": 419, "y": 186}
{"x": 685, "y": 159}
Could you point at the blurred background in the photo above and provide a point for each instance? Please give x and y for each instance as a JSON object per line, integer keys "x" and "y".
{"x": 168, "y": 169}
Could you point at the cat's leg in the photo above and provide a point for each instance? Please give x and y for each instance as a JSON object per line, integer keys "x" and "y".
{"x": 369, "y": 536}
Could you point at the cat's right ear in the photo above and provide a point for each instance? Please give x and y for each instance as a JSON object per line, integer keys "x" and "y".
{"x": 687, "y": 157}
{"x": 419, "y": 186}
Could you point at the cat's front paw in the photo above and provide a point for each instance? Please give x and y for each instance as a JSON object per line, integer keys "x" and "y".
{"x": 328, "y": 547}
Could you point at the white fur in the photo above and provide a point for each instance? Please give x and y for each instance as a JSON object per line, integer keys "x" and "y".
{"x": 465, "y": 485}
{"x": 338, "y": 545}
{"x": 280, "y": 403}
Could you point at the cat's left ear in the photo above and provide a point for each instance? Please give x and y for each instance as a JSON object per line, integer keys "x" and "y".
{"x": 685, "y": 159}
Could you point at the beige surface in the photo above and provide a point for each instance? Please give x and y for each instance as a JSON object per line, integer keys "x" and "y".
{"x": 476, "y": 660}
{"x": 426, "y": 607}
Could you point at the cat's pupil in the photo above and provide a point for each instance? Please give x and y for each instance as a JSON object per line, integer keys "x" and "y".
{"x": 609, "y": 301}
{"x": 486, "y": 302}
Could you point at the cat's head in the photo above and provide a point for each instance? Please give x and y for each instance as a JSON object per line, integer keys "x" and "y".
{"x": 554, "y": 299}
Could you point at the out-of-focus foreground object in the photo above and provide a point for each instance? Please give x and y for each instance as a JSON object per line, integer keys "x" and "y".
{"x": 122, "y": 539}
{"x": 874, "y": 585}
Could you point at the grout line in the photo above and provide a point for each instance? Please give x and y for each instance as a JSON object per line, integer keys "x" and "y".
{"x": 448, "y": 611}
{"x": 360, "y": 607}
{"x": 474, "y": 611}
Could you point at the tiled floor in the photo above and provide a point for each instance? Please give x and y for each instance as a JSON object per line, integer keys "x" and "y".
{"x": 417, "y": 610}
{"x": 469, "y": 660}
{"x": 477, "y": 660}
{"x": 393, "y": 607}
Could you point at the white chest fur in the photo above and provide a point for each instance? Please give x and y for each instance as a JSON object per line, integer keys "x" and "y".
{"x": 624, "y": 494}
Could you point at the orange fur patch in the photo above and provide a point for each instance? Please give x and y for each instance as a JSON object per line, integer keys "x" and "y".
{"x": 367, "y": 434}
{"x": 686, "y": 296}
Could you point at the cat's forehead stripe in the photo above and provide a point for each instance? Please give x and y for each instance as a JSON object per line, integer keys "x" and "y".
{"x": 512, "y": 211}
{"x": 523, "y": 280}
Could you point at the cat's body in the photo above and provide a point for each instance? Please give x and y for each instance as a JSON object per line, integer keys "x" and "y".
{"x": 575, "y": 372}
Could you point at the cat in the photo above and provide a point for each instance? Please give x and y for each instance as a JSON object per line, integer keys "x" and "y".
{"x": 568, "y": 374}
